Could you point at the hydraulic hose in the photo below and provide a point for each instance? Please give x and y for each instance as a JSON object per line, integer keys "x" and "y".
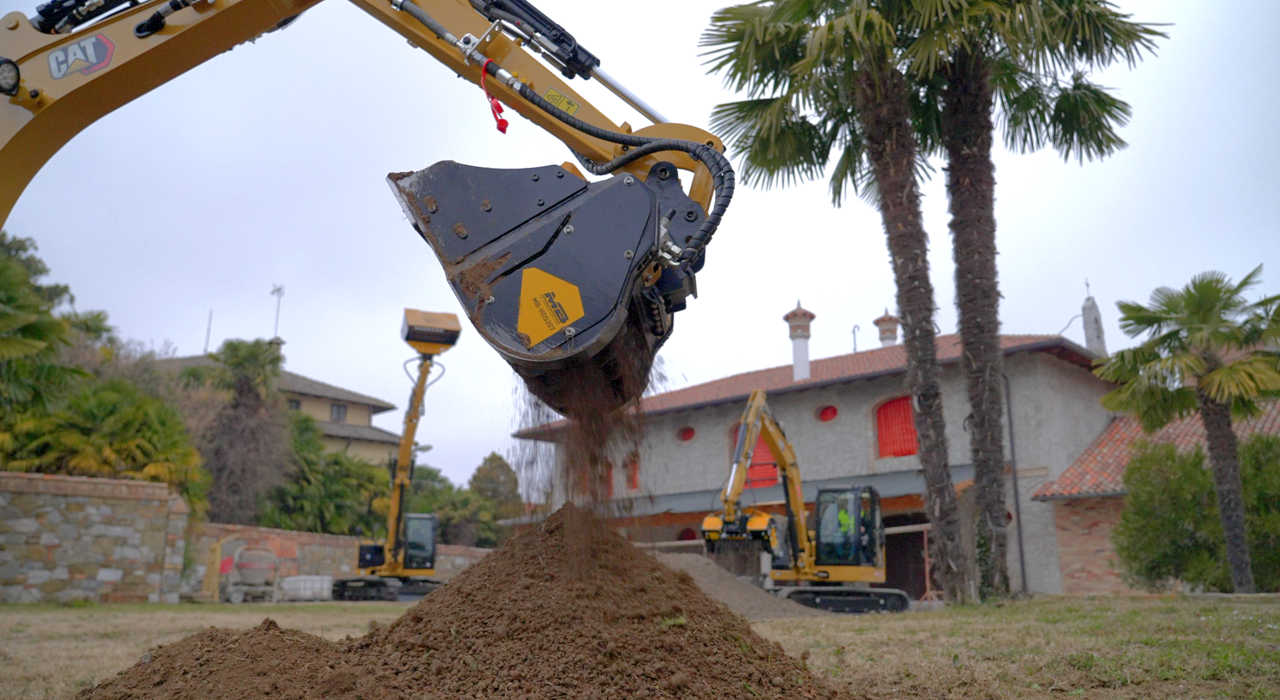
{"x": 722, "y": 175}
{"x": 721, "y": 169}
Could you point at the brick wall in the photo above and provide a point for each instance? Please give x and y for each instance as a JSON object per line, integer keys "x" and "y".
{"x": 1086, "y": 555}
{"x": 300, "y": 553}
{"x": 66, "y": 538}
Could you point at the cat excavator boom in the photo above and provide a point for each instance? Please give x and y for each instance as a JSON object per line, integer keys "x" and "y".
{"x": 830, "y": 565}
{"x": 574, "y": 282}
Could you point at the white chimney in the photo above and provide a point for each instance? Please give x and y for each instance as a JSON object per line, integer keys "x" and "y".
{"x": 1094, "y": 338}
{"x": 798, "y": 320}
{"x": 888, "y": 326}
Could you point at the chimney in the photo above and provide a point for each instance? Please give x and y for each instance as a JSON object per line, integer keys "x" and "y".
{"x": 277, "y": 344}
{"x": 1094, "y": 339}
{"x": 888, "y": 326}
{"x": 798, "y": 320}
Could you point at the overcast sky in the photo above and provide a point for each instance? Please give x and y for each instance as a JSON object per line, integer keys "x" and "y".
{"x": 266, "y": 166}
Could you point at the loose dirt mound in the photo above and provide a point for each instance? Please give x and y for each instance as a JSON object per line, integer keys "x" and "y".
{"x": 566, "y": 610}
{"x": 751, "y": 602}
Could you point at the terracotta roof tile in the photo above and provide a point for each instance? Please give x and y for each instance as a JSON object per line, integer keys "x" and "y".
{"x": 832, "y": 370}
{"x": 1099, "y": 470}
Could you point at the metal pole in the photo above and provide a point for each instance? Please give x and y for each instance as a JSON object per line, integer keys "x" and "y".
{"x": 629, "y": 97}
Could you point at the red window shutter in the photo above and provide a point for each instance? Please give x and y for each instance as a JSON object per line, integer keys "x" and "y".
{"x": 896, "y": 428}
{"x": 763, "y": 470}
{"x": 633, "y": 472}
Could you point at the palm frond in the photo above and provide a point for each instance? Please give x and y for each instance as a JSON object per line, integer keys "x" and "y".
{"x": 1085, "y": 120}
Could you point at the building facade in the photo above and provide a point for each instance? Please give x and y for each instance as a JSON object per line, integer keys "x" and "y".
{"x": 849, "y": 419}
{"x": 345, "y": 417}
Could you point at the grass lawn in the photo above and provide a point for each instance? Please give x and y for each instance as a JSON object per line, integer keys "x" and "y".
{"x": 1052, "y": 647}
{"x": 1048, "y": 647}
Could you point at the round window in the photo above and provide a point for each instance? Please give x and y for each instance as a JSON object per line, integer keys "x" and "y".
{"x": 685, "y": 434}
{"x": 826, "y": 414}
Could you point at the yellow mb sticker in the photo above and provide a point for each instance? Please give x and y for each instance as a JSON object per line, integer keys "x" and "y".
{"x": 561, "y": 102}
{"x": 547, "y": 304}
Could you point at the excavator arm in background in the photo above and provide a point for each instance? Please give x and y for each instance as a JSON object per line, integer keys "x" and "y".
{"x": 830, "y": 566}
{"x": 578, "y": 317}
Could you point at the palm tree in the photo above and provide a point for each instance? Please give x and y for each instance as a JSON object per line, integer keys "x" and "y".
{"x": 109, "y": 429}
{"x": 1018, "y": 62}
{"x": 1206, "y": 352}
{"x": 245, "y": 446}
{"x": 30, "y": 337}
{"x": 828, "y": 77}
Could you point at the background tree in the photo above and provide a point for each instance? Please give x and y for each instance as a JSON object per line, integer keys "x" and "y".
{"x": 496, "y": 482}
{"x": 327, "y": 492}
{"x": 23, "y": 252}
{"x": 1022, "y": 63}
{"x": 108, "y": 428}
{"x": 245, "y": 447}
{"x": 466, "y": 517}
{"x": 1203, "y": 355}
{"x": 831, "y": 78}
{"x": 30, "y": 339}
{"x": 1170, "y": 529}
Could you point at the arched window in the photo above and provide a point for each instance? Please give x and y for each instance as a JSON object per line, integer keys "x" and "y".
{"x": 896, "y": 428}
{"x": 763, "y": 471}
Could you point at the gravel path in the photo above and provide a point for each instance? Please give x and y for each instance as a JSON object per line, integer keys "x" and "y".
{"x": 749, "y": 601}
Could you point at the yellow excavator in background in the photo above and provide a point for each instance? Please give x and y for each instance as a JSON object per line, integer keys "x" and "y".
{"x": 830, "y": 566}
{"x": 572, "y": 314}
{"x": 407, "y": 556}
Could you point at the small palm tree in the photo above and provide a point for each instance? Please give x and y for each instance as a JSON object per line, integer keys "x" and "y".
{"x": 1206, "y": 352}
{"x": 30, "y": 337}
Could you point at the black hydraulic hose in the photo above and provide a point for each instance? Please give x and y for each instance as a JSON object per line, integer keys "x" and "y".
{"x": 721, "y": 169}
{"x": 722, "y": 175}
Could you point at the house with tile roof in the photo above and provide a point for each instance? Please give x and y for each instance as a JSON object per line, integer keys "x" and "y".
{"x": 345, "y": 416}
{"x": 1088, "y": 496}
{"x": 850, "y": 419}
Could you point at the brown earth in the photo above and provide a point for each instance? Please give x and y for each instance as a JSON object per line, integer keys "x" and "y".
{"x": 546, "y": 616}
{"x": 743, "y": 598}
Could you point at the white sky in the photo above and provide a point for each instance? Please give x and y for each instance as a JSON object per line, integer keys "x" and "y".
{"x": 266, "y": 165}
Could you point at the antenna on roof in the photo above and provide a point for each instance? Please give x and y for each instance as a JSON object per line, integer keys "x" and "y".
{"x": 277, "y": 290}
{"x": 208, "y": 331}
{"x": 856, "y": 328}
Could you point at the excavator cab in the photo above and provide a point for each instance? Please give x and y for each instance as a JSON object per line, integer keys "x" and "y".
{"x": 420, "y": 540}
{"x": 849, "y": 531}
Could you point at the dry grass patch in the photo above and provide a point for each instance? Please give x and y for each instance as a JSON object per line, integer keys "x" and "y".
{"x": 1051, "y": 647}
{"x": 49, "y": 653}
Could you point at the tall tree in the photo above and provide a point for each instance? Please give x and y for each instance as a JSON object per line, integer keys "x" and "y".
{"x": 824, "y": 78}
{"x": 245, "y": 447}
{"x": 496, "y": 481}
{"x": 1020, "y": 62}
{"x": 1205, "y": 352}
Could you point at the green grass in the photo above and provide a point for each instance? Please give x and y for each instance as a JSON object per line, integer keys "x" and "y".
{"x": 1053, "y": 647}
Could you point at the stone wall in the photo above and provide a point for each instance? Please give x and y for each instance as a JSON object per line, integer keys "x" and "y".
{"x": 300, "y": 553}
{"x": 65, "y": 538}
{"x": 1086, "y": 555}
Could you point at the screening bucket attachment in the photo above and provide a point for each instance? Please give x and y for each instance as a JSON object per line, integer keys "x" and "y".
{"x": 575, "y": 283}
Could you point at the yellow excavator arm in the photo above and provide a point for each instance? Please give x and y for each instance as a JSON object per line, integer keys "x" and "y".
{"x": 734, "y": 522}
{"x": 830, "y": 567}
{"x": 67, "y": 80}
{"x": 572, "y": 314}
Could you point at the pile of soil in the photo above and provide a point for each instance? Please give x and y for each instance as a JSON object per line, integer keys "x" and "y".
{"x": 568, "y": 609}
{"x": 743, "y": 598}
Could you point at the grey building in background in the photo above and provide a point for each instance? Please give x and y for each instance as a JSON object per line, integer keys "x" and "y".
{"x": 849, "y": 419}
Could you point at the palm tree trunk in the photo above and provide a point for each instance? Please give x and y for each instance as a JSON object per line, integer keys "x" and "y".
{"x": 1225, "y": 459}
{"x": 891, "y": 148}
{"x": 967, "y": 134}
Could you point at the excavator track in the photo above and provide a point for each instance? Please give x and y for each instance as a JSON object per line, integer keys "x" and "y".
{"x": 847, "y": 600}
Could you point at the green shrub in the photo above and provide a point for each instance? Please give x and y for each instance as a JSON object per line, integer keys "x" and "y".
{"x": 1170, "y": 530}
